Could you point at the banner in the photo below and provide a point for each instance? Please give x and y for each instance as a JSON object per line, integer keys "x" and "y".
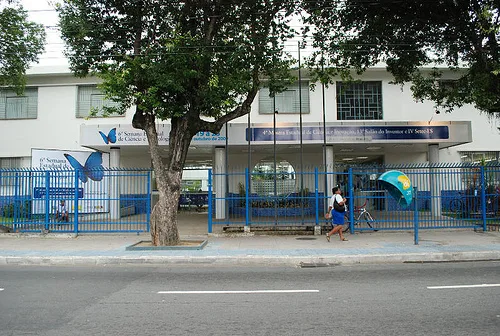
{"x": 351, "y": 133}
{"x": 54, "y": 177}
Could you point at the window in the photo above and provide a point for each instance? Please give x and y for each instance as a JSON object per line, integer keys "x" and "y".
{"x": 287, "y": 101}
{"x": 359, "y": 101}
{"x": 479, "y": 157}
{"x": 92, "y": 98}
{"x": 8, "y": 177}
{"x": 24, "y": 106}
{"x": 264, "y": 179}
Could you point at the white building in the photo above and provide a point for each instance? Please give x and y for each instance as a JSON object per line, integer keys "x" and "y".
{"x": 370, "y": 122}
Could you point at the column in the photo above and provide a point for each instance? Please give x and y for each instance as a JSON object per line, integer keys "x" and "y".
{"x": 435, "y": 188}
{"x": 330, "y": 178}
{"x": 114, "y": 186}
{"x": 220, "y": 182}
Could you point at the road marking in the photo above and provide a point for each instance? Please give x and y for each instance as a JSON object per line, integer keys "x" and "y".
{"x": 463, "y": 286}
{"x": 264, "y": 291}
{"x": 1, "y": 289}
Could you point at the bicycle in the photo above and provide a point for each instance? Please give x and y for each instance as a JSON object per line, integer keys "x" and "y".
{"x": 361, "y": 215}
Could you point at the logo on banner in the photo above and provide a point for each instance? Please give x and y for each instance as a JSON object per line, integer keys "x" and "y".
{"x": 92, "y": 169}
{"x": 110, "y": 138}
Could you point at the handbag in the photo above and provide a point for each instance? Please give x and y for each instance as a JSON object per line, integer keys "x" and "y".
{"x": 338, "y": 207}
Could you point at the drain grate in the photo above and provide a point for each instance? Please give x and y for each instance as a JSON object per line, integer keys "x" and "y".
{"x": 306, "y": 238}
{"x": 316, "y": 265}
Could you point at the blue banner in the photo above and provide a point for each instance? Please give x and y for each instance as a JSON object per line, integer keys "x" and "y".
{"x": 39, "y": 192}
{"x": 357, "y": 133}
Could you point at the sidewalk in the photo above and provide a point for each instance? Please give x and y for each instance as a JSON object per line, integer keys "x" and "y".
{"x": 376, "y": 247}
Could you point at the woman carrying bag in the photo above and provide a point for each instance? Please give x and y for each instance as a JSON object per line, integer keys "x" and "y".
{"x": 336, "y": 211}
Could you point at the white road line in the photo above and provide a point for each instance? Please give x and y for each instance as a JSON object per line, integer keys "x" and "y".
{"x": 264, "y": 291}
{"x": 1, "y": 289}
{"x": 463, "y": 286}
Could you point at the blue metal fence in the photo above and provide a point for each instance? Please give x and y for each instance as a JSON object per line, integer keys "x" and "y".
{"x": 117, "y": 200}
{"x": 448, "y": 196}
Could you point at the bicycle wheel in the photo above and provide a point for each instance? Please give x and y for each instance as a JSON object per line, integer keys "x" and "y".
{"x": 367, "y": 217}
{"x": 346, "y": 227}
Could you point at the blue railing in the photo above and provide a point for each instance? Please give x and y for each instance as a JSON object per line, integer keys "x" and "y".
{"x": 449, "y": 196}
{"x": 119, "y": 202}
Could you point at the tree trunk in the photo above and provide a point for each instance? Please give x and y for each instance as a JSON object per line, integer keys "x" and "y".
{"x": 168, "y": 172}
{"x": 164, "y": 231}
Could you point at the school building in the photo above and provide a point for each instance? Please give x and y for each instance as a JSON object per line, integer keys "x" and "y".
{"x": 368, "y": 122}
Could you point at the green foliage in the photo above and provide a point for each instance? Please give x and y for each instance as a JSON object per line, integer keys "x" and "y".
{"x": 177, "y": 59}
{"x": 21, "y": 42}
{"x": 462, "y": 35}
{"x": 21, "y": 210}
{"x": 241, "y": 189}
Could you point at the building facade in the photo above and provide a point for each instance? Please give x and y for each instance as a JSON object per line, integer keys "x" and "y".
{"x": 367, "y": 122}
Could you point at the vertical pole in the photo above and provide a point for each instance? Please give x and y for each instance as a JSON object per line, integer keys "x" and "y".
{"x": 17, "y": 203}
{"x": 415, "y": 215}
{"x": 483, "y": 198}
{"x": 210, "y": 196}
{"x": 324, "y": 141}
{"x": 47, "y": 199}
{"x": 301, "y": 138}
{"x": 226, "y": 176}
{"x": 316, "y": 194}
{"x": 274, "y": 151}
{"x": 350, "y": 195}
{"x": 248, "y": 183}
{"x": 247, "y": 198}
{"x": 75, "y": 202}
{"x": 148, "y": 202}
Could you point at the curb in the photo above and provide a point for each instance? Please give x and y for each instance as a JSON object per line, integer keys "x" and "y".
{"x": 38, "y": 235}
{"x": 255, "y": 260}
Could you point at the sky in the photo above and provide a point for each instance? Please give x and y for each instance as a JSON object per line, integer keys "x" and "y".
{"x": 41, "y": 11}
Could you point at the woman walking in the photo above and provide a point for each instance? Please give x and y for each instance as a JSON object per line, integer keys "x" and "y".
{"x": 336, "y": 210}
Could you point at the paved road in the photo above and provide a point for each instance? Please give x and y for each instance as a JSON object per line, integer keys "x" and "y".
{"x": 340, "y": 300}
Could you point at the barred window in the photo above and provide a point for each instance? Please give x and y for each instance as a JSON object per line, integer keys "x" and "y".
{"x": 359, "y": 100}
{"x": 24, "y": 106}
{"x": 7, "y": 178}
{"x": 90, "y": 98}
{"x": 288, "y": 101}
{"x": 479, "y": 157}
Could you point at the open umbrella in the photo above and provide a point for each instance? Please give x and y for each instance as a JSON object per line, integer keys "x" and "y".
{"x": 398, "y": 185}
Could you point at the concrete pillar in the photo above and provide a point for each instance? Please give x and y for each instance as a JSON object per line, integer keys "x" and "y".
{"x": 331, "y": 179}
{"x": 220, "y": 182}
{"x": 114, "y": 185}
{"x": 435, "y": 187}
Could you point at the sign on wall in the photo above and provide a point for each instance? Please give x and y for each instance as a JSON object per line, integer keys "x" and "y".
{"x": 126, "y": 135}
{"x": 350, "y": 133}
{"x": 55, "y": 173}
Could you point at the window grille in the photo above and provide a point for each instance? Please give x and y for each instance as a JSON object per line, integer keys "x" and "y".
{"x": 7, "y": 178}
{"x": 13, "y": 106}
{"x": 91, "y": 98}
{"x": 359, "y": 101}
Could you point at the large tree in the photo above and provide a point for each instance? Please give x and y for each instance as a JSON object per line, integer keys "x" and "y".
{"x": 412, "y": 37}
{"x": 21, "y": 42}
{"x": 197, "y": 63}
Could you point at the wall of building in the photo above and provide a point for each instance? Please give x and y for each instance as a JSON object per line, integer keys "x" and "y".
{"x": 57, "y": 127}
